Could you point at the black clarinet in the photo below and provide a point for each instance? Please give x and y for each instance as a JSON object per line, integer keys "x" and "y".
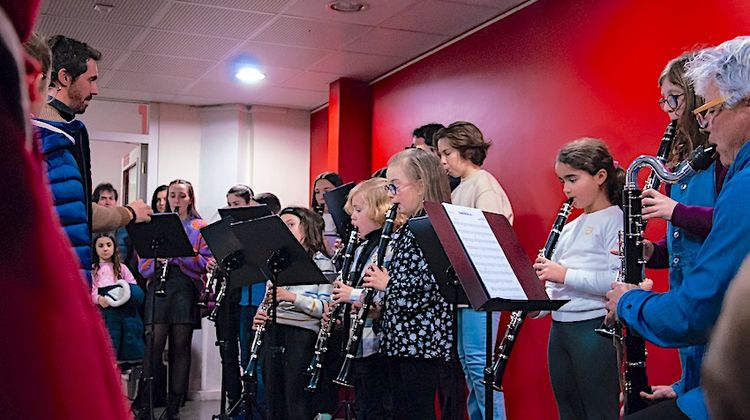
{"x": 324, "y": 336}
{"x": 517, "y": 317}
{"x": 653, "y": 182}
{"x": 635, "y": 379}
{"x": 358, "y": 321}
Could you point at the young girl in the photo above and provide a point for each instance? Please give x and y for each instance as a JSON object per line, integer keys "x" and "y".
{"x": 159, "y": 199}
{"x": 367, "y": 204}
{"x": 288, "y": 345}
{"x": 323, "y": 183}
{"x": 583, "y": 364}
{"x": 176, "y": 314}
{"x": 416, "y": 321}
{"x": 462, "y": 149}
{"x": 114, "y": 289}
{"x": 687, "y": 206}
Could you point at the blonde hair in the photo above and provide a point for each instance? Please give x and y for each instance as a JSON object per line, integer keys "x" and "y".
{"x": 419, "y": 165}
{"x": 375, "y": 196}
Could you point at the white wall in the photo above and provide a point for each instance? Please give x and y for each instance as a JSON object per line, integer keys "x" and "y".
{"x": 106, "y": 162}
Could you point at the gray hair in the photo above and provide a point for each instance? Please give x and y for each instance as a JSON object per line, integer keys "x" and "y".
{"x": 727, "y": 65}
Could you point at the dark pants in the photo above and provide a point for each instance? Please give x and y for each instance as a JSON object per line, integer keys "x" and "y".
{"x": 413, "y": 386}
{"x": 286, "y": 352}
{"x": 227, "y": 334}
{"x": 662, "y": 410}
{"x": 583, "y": 371}
{"x": 371, "y": 385}
{"x": 452, "y": 390}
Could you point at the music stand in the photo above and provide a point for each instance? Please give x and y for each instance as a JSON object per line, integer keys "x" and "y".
{"x": 482, "y": 295}
{"x": 281, "y": 258}
{"x": 238, "y": 214}
{"x": 335, "y": 201}
{"x": 162, "y": 237}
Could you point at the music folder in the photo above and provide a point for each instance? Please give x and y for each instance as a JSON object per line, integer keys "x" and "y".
{"x": 335, "y": 200}
{"x": 266, "y": 240}
{"x": 224, "y": 244}
{"x": 488, "y": 259}
{"x": 162, "y": 237}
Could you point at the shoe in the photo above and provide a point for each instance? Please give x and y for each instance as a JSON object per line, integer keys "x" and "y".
{"x": 174, "y": 402}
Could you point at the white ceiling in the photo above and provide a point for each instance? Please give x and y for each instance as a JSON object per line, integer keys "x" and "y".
{"x": 183, "y": 51}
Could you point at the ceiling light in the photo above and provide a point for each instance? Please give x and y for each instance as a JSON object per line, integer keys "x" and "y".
{"x": 103, "y": 9}
{"x": 249, "y": 75}
{"x": 347, "y": 6}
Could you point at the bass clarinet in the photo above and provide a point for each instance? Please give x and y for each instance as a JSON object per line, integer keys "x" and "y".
{"x": 359, "y": 319}
{"x": 653, "y": 182}
{"x": 257, "y": 342}
{"x": 324, "y": 336}
{"x": 631, "y": 271}
{"x": 517, "y": 317}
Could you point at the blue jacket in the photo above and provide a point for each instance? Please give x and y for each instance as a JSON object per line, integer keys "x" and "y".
{"x": 69, "y": 183}
{"x": 686, "y": 316}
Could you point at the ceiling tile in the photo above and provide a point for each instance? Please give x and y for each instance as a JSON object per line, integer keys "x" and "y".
{"x": 134, "y": 95}
{"x": 311, "y": 80}
{"x": 261, "y": 95}
{"x": 146, "y": 83}
{"x": 280, "y": 55}
{"x": 185, "y": 45}
{"x": 356, "y": 66}
{"x": 109, "y": 57}
{"x": 165, "y": 65}
{"x": 502, "y": 5}
{"x": 212, "y": 21}
{"x": 443, "y": 17}
{"x": 96, "y": 34}
{"x": 376, "y": 12}
{"x": 395, "y": 42}
{"x": 225, "y": 71}
{"x": 310, "y": 33}
{"x": 125, "y": 12}
{"x": 267, "y": 6}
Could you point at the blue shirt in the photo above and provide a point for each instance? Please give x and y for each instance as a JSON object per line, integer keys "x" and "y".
{"x": 686, "y": 316}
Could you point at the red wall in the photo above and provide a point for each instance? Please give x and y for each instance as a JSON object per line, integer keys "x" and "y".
{"x": 550, "y": 73}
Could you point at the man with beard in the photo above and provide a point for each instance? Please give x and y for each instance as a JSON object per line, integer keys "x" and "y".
{"x": 65, "y": 144}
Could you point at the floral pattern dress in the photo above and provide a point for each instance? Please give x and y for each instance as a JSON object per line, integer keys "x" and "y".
{"x": 416, "y": 321}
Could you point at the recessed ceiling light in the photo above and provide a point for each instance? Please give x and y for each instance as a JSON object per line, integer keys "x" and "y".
{"x": 347, "y": 6}
{"x": 103, "y": 9}
{"x": 249, "y": 75}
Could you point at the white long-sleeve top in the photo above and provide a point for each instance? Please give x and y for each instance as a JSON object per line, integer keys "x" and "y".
{"x": 584, "y": 249}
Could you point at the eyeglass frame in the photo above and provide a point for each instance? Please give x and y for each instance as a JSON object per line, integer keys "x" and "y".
{"x": 394, "y": 189}
{"x": 702, "y": 112}
{"x": 676, "y": 97}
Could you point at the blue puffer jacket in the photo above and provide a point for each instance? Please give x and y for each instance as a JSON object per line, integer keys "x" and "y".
{"x": 69, "y": 187}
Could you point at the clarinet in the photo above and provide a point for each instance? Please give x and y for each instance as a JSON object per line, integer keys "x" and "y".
{"x": 324, "y": 336}
{"x": 205, "y": 298}
{"x": 517, "y": 317}
{"x": 358, "y": 320}
{"x": 257, "y": 339}
{"x": 635, "y": 379}
{"x": 653, "y": 182}
{"x": 219, "y": 296}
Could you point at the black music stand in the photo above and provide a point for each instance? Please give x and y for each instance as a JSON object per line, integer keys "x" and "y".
{"x": 476, "y": 290}
{"x": 281, "y": 259}
{"x": 162, "y": 237}
{"x": 447, "y": 280}
{"x": 227, "y": 250}
{"x": 335, "y": 201}
{"x": 238, "y": 214}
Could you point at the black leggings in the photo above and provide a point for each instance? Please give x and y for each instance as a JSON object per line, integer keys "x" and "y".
{"x": 413, "y": 385}
{"x": 180, "y": 337}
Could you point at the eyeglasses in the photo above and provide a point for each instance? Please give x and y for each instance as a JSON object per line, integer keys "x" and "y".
{"x": 672, "y": 101}
{"x": 394, "y": 189}
{"x": 708, "y": 111}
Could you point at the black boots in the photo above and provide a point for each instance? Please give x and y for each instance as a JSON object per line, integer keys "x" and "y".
{"x": 174, "y": 402}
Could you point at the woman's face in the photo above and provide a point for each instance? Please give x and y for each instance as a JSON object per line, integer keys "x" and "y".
{"x": 360, "y": 216}
{"x": 295, "y": 226}
{"x": 234, "y": 200}
{"x": 179, "y": 199}
{"x": 408, "y": 193}
{"x": 104, "y": 248}
{"x": 321, "y": 187}
{"x": 672, "y": 99}
{"x": 453, "y": 163}
{"x": 161, "y": 201}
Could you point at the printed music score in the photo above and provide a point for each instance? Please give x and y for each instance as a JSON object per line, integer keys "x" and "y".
{"x": 485, "y": 252}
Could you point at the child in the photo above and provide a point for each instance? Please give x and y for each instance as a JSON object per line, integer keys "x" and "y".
{"x": 288, "y": 345}
{"x": 462, "y": 149}
{"x": 416, "y": 321}
{"x": 323, "y": 183}
{"x": 175, "y": 314}
{"x": 582, "y": 364}
{"x": 367, "y": 204}
{"x": 114, "y": 289}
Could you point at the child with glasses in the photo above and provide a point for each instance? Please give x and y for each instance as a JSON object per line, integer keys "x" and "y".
{"x": 462, "y": 150}
{"x": 416, "y": 321}
{"x": 687, "y": 207}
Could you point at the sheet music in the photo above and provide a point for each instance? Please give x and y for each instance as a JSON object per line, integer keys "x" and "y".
{"x": 485, "y": 252}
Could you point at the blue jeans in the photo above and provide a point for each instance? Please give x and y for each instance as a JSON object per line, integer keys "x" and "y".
{"x": 472, "y": 342}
